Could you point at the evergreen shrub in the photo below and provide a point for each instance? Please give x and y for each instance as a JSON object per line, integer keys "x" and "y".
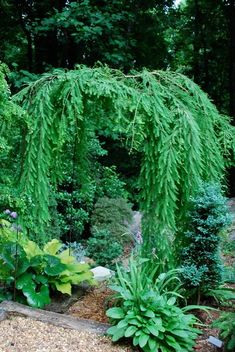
{"x": 161, "y": 114}
{"x": 201, "y": 260}
{"x": 114, "y": 215}
{"x": 102, "y": 248}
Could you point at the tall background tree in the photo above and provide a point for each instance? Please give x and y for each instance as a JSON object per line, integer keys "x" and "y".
{"x": 202, "y": 46}
{"x": 123, "y": 34}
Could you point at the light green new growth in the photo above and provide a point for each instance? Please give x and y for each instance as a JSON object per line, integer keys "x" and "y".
{"x": 165, "y": 115}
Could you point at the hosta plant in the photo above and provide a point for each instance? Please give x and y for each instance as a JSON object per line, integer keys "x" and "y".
{"x": 27, "y": 271}
{"x": 147, "y": 313}
{"x": 61, "y": 266}
{"x": 20, "y": 277}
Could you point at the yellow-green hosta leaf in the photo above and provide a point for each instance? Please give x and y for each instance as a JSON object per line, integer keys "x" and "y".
{"x": 78, "y": 267}
{"x": 5, "y": 223}
{"x": 78, "y": 278}
{"x": 52, "y": 247}
{"x": 63, "y": 287}
{"x": 7, "y": 233}
{"x": 67, "y": 277}
{"x": 32, "y": 249}
{"x": 66, "y": 257}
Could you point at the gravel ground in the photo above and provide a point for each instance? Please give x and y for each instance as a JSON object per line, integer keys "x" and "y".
{"x": 19, "y": 334}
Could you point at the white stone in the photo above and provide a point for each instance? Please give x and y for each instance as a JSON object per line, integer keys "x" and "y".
{"x": 101, "y": 273}
{"x": 214, "y": 341}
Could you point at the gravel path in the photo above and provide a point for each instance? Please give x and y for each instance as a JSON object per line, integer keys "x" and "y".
{"x": 19, "y": 334}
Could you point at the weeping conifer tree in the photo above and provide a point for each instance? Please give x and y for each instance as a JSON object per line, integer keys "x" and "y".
{"x": 164, "y": 115}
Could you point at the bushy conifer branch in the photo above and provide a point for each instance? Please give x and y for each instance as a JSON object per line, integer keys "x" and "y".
{"x": 166, "y": 116}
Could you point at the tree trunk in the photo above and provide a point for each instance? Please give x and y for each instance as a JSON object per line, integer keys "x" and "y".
{"x": 28, "y": 34}
{"x": 196, "y": 44}
{"x": 232, "y": 59}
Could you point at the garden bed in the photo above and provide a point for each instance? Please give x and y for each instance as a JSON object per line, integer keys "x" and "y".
{"x": 28, "y": 329}
{"x": 96, "y": 301}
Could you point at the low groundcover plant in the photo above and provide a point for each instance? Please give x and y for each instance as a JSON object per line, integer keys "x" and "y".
{"x": 226, "y": 324}
{"x": 147, "y": 312}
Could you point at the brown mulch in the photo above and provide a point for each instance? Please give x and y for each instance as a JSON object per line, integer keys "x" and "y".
{"x": 93, "y": 305}
{"x": 202, "y": 344}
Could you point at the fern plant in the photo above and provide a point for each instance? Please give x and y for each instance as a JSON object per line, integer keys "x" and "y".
{"x": 226, "y": 324}
{"x": 164, "y": 115}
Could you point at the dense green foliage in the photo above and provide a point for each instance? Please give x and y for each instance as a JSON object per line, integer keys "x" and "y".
{"x": 113, "y": 215}
{"x": 199, "y": 42}
{"x": 52, "y": 144}
{"x": 9, "y": 130}
{"x": 147, "y": 312}
{"x": 84, "y": 31}
{"x": 33, "y": 272}
{"x": 200, "y": 254}
{"x": 226, "y": 324}
{"x": 74, "y": 201}
{"x": 103, "y": 247}
{"x": 164, "y": 115}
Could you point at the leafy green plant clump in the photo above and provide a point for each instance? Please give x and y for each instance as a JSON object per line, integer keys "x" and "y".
{"x": 103, "y": 248}
{"x": 226, "y": 324}
{"x": 200, "y": 256}
{"x": 114, "y": 215}
{"x": 147, "y": 312}
{"x": 29, "y": 273}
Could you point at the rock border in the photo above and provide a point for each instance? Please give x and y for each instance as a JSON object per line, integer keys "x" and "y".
{"x": 9, "y": 308}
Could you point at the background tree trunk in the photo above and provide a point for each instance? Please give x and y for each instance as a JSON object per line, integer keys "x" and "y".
{"x": 231, "y": 10}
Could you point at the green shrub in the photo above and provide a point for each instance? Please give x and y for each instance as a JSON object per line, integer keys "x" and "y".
{"x": 77, "y": 250}
{"x": 114, "y": 215}
{"x": 102, "y": 248}
{"x": 147, "y": 313}
{"x": 226, "y": 324}
{"x": 28, "y": 271}
{"x": 73, "y": 208}
{"x": 200, "y": 255}
{"x": 73, "y": 203}
{"x": 109, "y": 184}
{"x": 228, "y": 247}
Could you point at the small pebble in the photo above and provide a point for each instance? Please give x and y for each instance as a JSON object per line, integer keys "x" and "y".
{"x": 19, "y": 334}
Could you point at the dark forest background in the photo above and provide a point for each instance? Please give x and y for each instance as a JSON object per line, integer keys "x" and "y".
{"x": 196, "y": 38}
